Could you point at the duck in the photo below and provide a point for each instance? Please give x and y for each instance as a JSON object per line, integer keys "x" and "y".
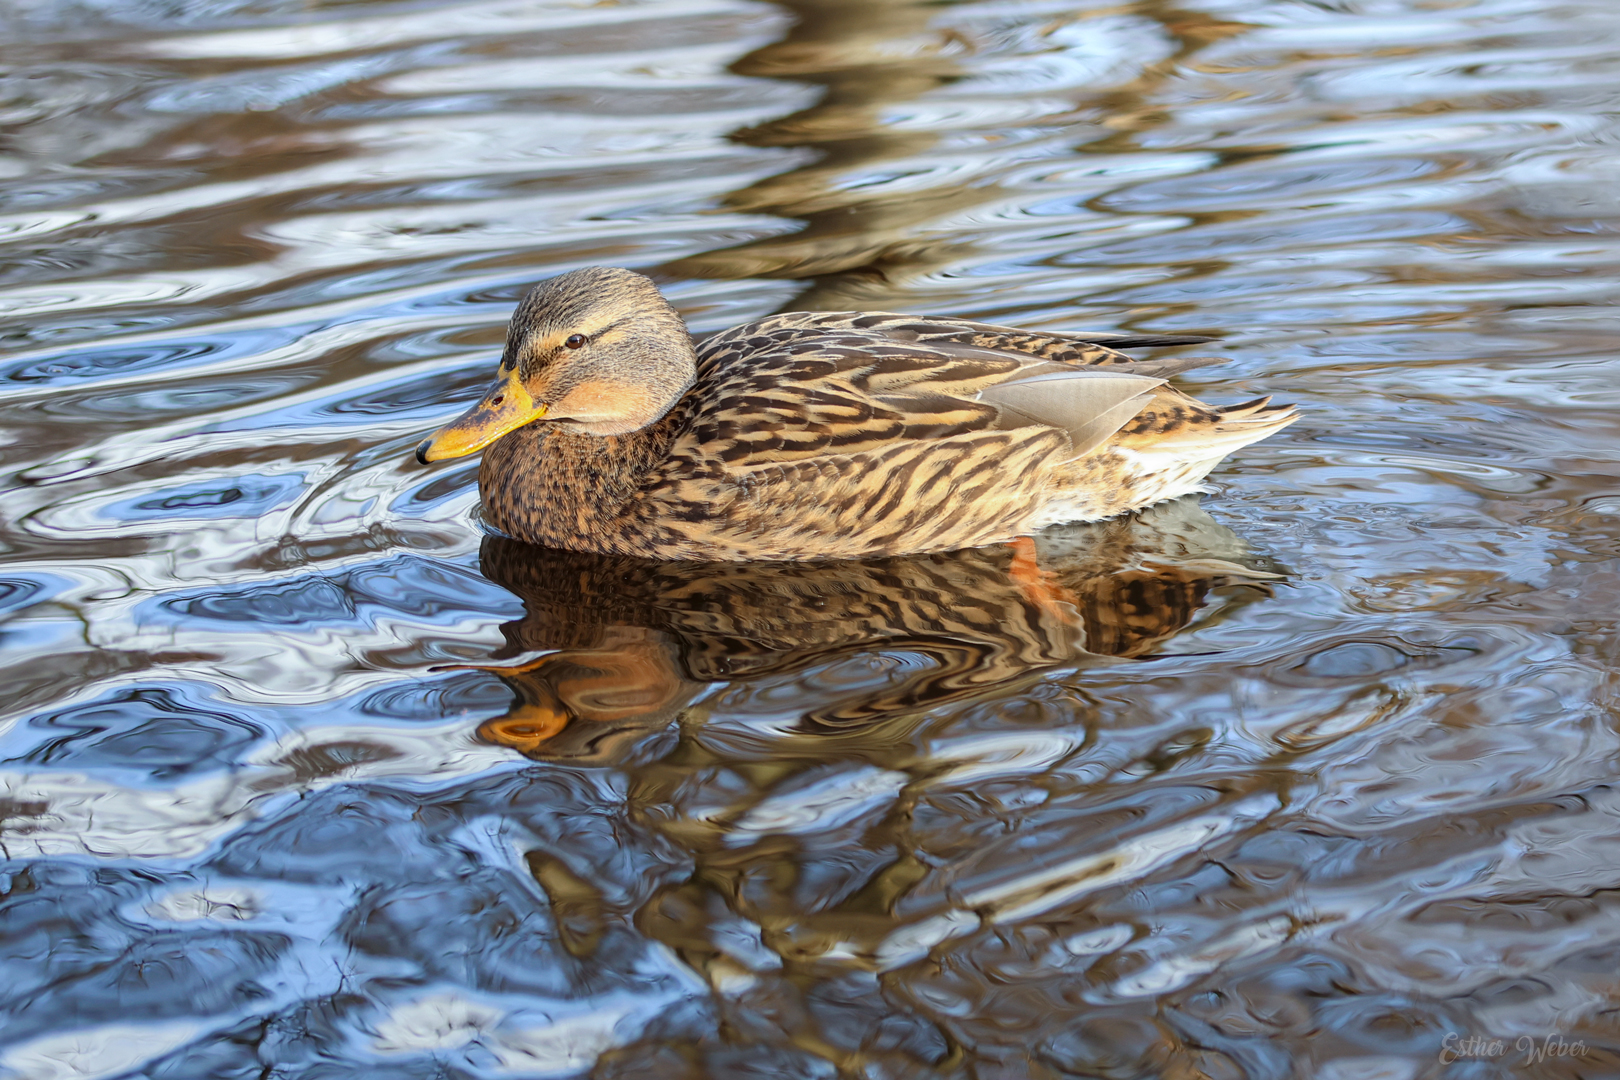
{"x": 822, "y": 435}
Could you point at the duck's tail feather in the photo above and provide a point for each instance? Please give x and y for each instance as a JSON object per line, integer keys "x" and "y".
{"x": 1259, "y": 415}
{"x": 1237, "y": 427}
{"x": 1191, "y": 448}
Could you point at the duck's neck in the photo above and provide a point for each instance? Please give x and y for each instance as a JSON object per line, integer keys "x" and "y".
{"x": 561, "y": 489}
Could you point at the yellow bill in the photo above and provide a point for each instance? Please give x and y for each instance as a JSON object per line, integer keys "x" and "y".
{"x": 506, "y": 407}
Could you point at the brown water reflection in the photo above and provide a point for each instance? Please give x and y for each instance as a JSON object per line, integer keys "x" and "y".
{"x": 636, "y": 641}
{"x": 903, "y": 819}
{"x": 869, "y": 60}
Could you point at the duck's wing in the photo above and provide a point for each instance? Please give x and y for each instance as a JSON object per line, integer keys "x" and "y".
{"x": 783, "y": 395}
{"x": 850, "y": 439}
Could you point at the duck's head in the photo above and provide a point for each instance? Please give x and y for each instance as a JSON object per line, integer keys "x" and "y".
{"x": 597, "y": 350}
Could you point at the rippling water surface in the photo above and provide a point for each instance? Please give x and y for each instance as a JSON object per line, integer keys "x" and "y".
{"x": 305, "y": 775}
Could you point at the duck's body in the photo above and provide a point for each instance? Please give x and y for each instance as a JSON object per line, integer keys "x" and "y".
{"x": 822, "y": 435}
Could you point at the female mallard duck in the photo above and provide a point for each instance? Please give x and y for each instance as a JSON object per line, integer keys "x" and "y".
{"x": 820, "y": 434}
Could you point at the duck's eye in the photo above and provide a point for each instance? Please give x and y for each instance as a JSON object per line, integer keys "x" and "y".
{"x": 575, "y": 341}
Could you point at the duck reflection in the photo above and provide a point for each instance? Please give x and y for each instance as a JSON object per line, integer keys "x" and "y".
{"x": 630, "y": 643}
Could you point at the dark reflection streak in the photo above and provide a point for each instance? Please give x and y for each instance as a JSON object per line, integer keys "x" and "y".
{"x": 860, "y": 243}
{"x": 848, "y": 48}
{"x": 1131, "y": 111}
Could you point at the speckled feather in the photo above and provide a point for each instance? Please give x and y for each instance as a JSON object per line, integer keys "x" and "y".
{"x": 854, "y": 434}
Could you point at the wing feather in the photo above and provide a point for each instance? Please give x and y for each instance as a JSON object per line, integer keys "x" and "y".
{"x": 1075, "y": 347}
{"x": 1162, "y": 368}
{"x": 852, "y": 391}
{"x": 1087, "y": 405}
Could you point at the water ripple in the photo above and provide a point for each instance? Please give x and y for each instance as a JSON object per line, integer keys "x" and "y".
{"x": 302, "y": 772}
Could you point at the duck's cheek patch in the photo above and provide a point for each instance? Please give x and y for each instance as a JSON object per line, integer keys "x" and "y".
{"x": 603, "y": 407}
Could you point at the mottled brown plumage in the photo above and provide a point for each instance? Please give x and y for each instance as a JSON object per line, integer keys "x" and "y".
{"x": 821, "y": 435}
{"x": 627, "y": 643}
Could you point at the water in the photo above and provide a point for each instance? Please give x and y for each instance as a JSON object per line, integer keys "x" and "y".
{"x": 305, "y": 776}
